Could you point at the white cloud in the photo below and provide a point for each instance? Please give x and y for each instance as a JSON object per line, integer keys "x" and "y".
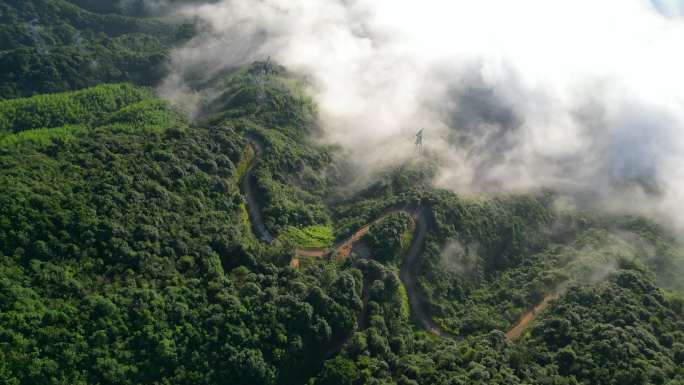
{"x": 581, "y": 96}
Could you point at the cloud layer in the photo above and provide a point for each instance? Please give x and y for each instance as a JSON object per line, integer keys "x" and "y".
{"x": 583, "y": 97}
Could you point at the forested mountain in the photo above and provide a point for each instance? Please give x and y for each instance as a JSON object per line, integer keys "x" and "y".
{"x": 139, "y": 246}
{"x": 52, "y": 46}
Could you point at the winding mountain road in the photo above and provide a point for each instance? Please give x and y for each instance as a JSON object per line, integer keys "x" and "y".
{"x": 247, "y": 187}
{"x": 407, "y": 274}
{"x": 343, "y": 249}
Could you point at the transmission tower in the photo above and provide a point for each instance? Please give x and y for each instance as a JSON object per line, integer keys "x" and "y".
{"x": 419, "y": 141}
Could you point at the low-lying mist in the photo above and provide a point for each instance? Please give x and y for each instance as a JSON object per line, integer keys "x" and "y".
{"x": 582, "y": 97}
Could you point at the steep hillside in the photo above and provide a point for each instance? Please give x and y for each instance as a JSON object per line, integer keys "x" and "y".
{"x": 53, "y": 45}
{"x": 117, "y": 200}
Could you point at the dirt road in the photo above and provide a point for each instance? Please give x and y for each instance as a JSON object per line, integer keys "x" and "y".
{"x": 528, "y": 317}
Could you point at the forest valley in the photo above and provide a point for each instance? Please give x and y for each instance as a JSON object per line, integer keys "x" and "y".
{"x": 140, "y": 246}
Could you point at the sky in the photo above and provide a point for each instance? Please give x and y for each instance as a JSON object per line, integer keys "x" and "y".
{"x": 672, "y": 8}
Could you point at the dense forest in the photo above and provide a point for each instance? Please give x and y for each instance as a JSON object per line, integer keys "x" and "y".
{"x": 129, "y": 252}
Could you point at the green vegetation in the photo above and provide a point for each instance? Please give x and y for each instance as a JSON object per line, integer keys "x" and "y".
{"x": 54, "y": 45}
{"x": 309, "y": 237}
{"x": 247, "y": 158}
{"x": 91, "y": 106}
{"x": 260, "y": 100}
{"x": 41, "y": 136}
{"x": 391, "y": 237}
{"x": 472, "y": 291}
{"x": 59, "y": 118}
{"x": 624, "y": 327}
{"x": 486, "y": 262}
{"x": 268, "y": 95}
{"x": 127, "y": 254}
{"x": 121, "y": 244}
